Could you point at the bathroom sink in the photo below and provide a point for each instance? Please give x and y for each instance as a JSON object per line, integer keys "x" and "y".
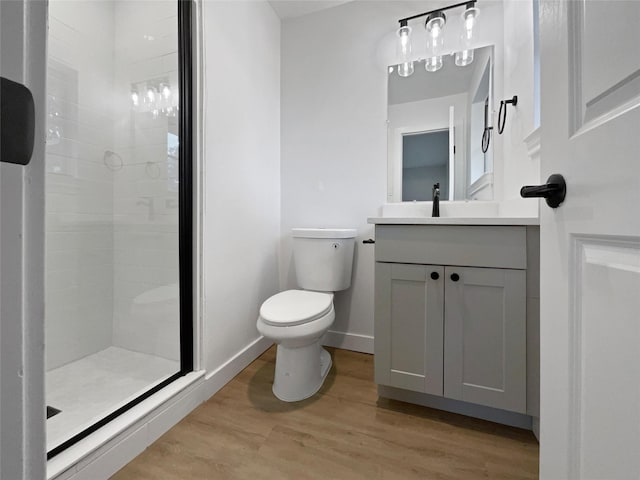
{"x": 447, "y": 209}
{"x": 451, "y": 213}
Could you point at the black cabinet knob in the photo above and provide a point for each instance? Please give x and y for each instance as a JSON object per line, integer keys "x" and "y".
{"x": 435, "y": 276}
{"x": 455, "y": 277}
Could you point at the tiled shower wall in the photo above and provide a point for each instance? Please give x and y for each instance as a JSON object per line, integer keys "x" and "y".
{"x": 146, "y": 308}
{"x": 79, "y": 193}
{"x": 111, "y": 196}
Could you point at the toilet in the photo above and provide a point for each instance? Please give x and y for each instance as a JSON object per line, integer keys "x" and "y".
{"x": 296, "y": 320}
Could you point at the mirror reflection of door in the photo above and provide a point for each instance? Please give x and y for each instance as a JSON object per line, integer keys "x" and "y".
{"x": 425, "y": 161}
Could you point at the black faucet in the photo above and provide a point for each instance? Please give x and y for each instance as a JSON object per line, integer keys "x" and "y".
{"x": 435, "y": 197}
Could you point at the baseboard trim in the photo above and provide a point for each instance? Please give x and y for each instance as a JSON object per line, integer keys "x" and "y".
{"x": 535, "y": 427}
{"x": 349, "y": 341}
{"x": 218, "y": 378}
{"x": 102, "y": 454}
{"x": 496, "y": 415}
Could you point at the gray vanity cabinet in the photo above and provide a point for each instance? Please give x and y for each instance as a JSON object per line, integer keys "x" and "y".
{"x": 409, "y": 316}
{"x": 450, "y": 312}
{"x": 485, "y": 337}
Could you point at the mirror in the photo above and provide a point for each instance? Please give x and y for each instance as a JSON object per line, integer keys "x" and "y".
{"x": 439, "y": 132}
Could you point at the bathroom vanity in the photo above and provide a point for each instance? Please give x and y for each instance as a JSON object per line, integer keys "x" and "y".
{"x": 456, "y": 313}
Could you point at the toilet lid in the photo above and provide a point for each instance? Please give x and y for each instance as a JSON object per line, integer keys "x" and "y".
{"x": 295, "y": 307}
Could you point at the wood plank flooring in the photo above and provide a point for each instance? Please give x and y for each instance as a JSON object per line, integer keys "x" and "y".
{"x": 344, "y": 432}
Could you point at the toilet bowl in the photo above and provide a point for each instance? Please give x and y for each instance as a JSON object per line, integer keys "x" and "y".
{"x": 296, "y": 320}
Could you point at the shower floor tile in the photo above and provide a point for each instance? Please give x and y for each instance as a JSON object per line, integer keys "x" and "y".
{"x": 90, "y": 388}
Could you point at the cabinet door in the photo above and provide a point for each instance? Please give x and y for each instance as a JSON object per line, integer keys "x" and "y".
{"x": 485, "y": 337}
{"x": 409, "y": 326}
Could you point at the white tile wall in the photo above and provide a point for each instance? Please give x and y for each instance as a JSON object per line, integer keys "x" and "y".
{"x": 79, "y": 189}
{"x": 146, "y": 306}
{"x": 112, "y": 230}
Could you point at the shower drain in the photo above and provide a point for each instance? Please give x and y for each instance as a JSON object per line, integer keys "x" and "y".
{"x": 52, "y": 412}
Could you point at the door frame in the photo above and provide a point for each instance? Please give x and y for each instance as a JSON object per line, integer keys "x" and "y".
{"x": 22, "y": 412}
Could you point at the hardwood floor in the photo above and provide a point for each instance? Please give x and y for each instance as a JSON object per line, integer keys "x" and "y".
{"x": 344, "y": 432}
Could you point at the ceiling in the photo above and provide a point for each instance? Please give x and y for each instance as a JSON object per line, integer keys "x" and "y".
{"x": 297, "y": 8}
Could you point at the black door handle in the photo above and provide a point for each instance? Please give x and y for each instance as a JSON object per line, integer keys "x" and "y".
{"x": 435, "y": 275}
{"x": 370, "y": 240}
{"x": 17, "y": 117}
{"x": 553, "y": 191}
{"x": 455, "y": 277}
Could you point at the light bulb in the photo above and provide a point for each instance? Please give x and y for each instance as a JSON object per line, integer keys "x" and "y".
{"x": 469, "y": 17}
{"x": 435, "y": 37}
{"x": 405, "y": 68}
{"x": 433, "y": 64}
{"x": 166, "y": 92}
{"x": 404, "y": 41}
{"x": 464, "y": 58}
{"x": 435, "y": 23}
{"x": 435, "y": 30}
{"x": 151, "y": 95}
{"x": 135, "y": 99}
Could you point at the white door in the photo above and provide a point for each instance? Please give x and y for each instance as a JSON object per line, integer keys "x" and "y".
{"x": 590, "y": 245}
{"x": 22, "y": 412}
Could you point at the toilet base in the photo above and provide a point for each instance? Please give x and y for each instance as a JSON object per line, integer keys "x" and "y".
{"x": 300, "y": 372}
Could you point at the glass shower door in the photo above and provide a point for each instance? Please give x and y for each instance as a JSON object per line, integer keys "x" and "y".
{"x": 115, "y": 173}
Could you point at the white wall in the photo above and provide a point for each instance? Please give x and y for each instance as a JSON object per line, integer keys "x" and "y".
{"x": 242, "y": 172}
{"x": 334, "y": 145}
{"x": 334, "y": 139}
{"x": 519, "y": 168}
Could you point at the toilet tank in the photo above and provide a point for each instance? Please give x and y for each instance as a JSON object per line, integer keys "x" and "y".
{"x": 323, "y": 258}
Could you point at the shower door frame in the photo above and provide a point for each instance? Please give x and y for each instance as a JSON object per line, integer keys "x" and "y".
{"x": 185, "y": 223}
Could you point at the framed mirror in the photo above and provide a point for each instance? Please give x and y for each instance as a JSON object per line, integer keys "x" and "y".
{"x": 439, "y": 130}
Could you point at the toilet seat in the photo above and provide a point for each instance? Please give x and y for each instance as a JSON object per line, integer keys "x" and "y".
{"x": 295, "y": 307}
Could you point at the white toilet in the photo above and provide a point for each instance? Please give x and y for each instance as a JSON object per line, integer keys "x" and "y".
{"x": 296, "y": 320}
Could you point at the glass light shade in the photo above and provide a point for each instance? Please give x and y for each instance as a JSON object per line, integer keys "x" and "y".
{"x": 464, "y": 58}
{"x": 435, "y": 35}
{"x": 435, "y": 24}
{"x": 404, "y": 42}
{"x": 151, "y": 95}
{"x": 469, "y": 17}
{"x": 433, "y": 64}
{"x": 405, "y": 69}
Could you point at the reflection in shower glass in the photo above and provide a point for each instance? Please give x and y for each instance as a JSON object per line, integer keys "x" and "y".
{"x": 112, "y": 295}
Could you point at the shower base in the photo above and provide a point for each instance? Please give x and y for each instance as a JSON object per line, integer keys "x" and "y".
{"x": 92, "y": 387}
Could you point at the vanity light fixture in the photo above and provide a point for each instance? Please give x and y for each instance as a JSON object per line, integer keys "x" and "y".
{"x": 469, "y": 16}
{"x": 434, "y": 24}
{"x": 154, "y": 96}
{"x": 435, "y": 40}
{"x": 405, "y": 67}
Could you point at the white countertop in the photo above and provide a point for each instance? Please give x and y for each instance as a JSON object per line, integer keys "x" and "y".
{"x": 454, "y": 220}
